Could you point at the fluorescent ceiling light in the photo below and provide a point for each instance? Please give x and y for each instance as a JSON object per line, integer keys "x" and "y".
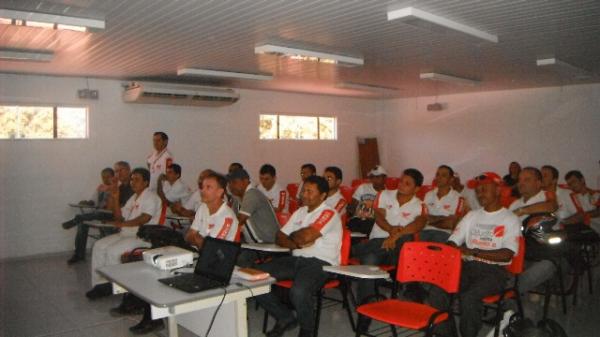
{"x": 308, "y": 54}
{"x": 52, "y": 21}
{"x": 448, "y": 79}
{"x": 226, "y": 74}
{"x": 367, "y": 87}
{"x": 565, "y": 67}
{"x": 26, "y": 55}
{"x": 419, "y": 18}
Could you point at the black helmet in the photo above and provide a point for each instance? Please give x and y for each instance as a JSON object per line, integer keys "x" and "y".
{"x": 539, "y": 226}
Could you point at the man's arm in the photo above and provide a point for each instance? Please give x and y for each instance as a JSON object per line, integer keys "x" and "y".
{"x": 547, "y": 206}
{"x": 305, "y": 237}
{"x": 113, "y": 201}
{"x": 495, "y": 255}
{"x": 194, "y": 238}
{"x": 381, "y": 221}
{"x": 397, "y": 231}
{"x": 142, "y": 219}
{"x": 178, "y": 209}
{"x": 284, "y": 240}
{"x": 160, "y": 192}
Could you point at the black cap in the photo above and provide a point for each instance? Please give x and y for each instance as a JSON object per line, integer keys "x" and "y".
{"x": 238, "y": 174}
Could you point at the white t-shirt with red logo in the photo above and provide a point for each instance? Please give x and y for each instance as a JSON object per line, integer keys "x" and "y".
{"x": 177, "y": 192}
{"x": 337, "y": 202}
{"x": 396, "y": 214}
{"x": 223, "y": 224}
{"x": 451, "y": 204}
{"x": 327, "y": 221}
{"x": 488, "y": 231}
{"x": 277, "y": 195}
{"x": 145, "y": 203}
{"x": 157, "y": 164}
{"x": 566, "y": 207}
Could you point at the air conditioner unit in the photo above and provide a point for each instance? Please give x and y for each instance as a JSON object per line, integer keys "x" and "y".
{"x": 178, "y": 94}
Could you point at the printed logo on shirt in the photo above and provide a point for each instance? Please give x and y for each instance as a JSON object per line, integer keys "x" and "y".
{"x": 211, "y": 226}
{"x": 226, "y": 227}
{"x": 446, "y": 207}
{"x": 406, "y": 214}
{"x": 486, "y": 236}
{"x": 323, "y": 219}
{"x": 499, "y": 231}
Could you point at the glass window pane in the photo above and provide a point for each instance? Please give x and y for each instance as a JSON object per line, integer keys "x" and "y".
{"x": 327, "y": 128}
{"x": 8, "y": 121}
{"x": 71, "y": 122}
{"x": 297, "y": 127}
{"x": 36, "y": 122}
{"x": 268, "y": 127}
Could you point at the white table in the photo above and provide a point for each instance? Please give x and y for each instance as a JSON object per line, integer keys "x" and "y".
{"x": 192, "y": 311}
{"x": 265, "y": 247}
{"x": 358, "y": 271}
{"x": 358, "y": 235}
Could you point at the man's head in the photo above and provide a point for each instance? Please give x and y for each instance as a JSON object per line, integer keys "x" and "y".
{"x": 160, "y": 140}
{"x": 213, "y": 188}
{"x": 107, "y": 174}
{"x": 549, "y": 177}
{"x": 267, "y": 176}
{"x": 173, "y": 173}
{"x": 314, "y": 192}
{"x": 444, "y": 176}
{"x": 377, "y": 177}
{"x": 530, "y": 182}
{"x": 410, "y": 181}
{"x": 514, "y": 169}
{"x": 238, "y": 182}
{"x": 307, "y": 170}
{"x": 333, "y": 175}
{"x": 488, "y": 189}
{"x": 140, "y": 178}
{"x": 234, "y": 166}
{"x": 203, "y": 175}
{"x": 576, "y": 181}
{"x": 123, "y": 171}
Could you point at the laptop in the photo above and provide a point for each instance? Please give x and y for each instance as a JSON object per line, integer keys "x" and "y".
{"x": 213, "y": 268}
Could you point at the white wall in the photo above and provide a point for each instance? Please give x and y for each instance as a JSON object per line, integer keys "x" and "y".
{"x": 39, "y": 177}
{"x": 485, "y": 131}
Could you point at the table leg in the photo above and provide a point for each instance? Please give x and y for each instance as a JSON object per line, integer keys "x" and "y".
{"x": 240, "y": 314}
{"x": 172, "y": 324}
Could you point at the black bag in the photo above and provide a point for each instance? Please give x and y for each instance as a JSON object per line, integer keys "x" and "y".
{"x": 162, "y": 236}
{"x": 524, "y": 327}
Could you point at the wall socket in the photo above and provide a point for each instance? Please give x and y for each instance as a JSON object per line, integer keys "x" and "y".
{"x": 87, "y": 94}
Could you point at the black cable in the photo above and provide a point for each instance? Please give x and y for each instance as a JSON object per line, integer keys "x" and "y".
{"x": 212, "y": 320}
{"x": 239, "y": 284}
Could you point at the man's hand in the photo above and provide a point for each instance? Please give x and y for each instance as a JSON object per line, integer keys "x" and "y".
{"x": 305, "y": 237}
{"x": 176, "y": 207}
{"x": 390, "y": 242}
{"x": 118, "y": 224}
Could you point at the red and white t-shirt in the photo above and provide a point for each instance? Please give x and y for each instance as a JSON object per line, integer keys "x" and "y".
{"x": 488, "y": 231}
{"x": 277, "y": 195}
{"x": 566, "y": 207}
{"x": 146, "y": 202}
{"x": 450, "y": 204}
{"x": 396, "y": 214}
{"x": 223, "y": 224}
{"x": 585, "y": 202}
{"x": 327, "y": 221}
{"x": 157, "y": 164}
{"x": 337, "y": 202}
{"x": 541, "y": 196}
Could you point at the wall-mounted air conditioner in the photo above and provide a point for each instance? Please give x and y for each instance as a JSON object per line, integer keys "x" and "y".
{"x": 178, "y": 94}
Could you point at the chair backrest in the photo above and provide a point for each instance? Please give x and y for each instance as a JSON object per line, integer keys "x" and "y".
{"x": 430, "y": 262}
{"x": 391, "y": 183}
{"x": 293, "y": 190}
{"x": 517, "y": 264}
{"x": 423, "y": 190}
{"x": 293, "y": 206}
{"x": 347, "y": 193}
{"x": 282, "y": 218}
{"x": 346, "y": 245}
{"x": 358, "y": 182}
{"x": 506, "y": 197}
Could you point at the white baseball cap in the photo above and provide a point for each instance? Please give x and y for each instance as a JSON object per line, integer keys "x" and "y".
{"x": 378, "y": 171}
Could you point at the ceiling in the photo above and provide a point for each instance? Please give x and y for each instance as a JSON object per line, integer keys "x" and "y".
{"x": 151, "y": 39}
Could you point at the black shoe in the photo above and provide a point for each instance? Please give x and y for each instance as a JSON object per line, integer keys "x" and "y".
{"x": 99, "y": 291}
{"x": 305, "y": 333}
{"x": 69, "y": 224}
{"x": 281, "y": 327}
{"x": 362, "y": 324}
{"x": 126, "y": 310}
{"x": 147, "y": 326}
{"x": 74, "y": 259}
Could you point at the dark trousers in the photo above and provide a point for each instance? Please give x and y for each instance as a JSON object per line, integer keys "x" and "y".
{"x": 477, "y": 280}
{"x": 83, "y": 229}
{"x": 371, "y": 253}
{"x": 308, "y": 277}
{"x": 361, "y": 225}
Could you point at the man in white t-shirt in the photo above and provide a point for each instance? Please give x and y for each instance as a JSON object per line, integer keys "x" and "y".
{"x": 159, "y": 159}
{"x": 585, "y": 201}
{"x": 306, "y": 170}
{"x": 444, "y": 205}
{"x": 142, "y": 208}
{"x": 193, "y": 203}
{"x": 172, "y": 189}
{"x": 565, "y": 206}
{"x": 361, "y": 206}
{"x": 314, "y": 234}
{"x": 335, "y": 199}
{"x": 269, "y": 186}
{"x": 467, "y": 192}
{"x": 488, "y": 239}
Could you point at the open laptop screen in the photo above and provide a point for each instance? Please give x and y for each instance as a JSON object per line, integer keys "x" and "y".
{"x": 217, "y": 259}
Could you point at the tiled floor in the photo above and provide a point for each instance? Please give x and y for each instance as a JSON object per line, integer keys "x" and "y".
{"x": 45, "y": 297}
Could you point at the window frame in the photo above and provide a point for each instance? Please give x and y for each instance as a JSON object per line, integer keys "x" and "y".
{"x": 55, "y": 107}
{"x": 318, "y": 117}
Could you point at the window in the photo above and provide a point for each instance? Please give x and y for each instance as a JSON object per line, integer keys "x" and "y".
{"x": 297, "y": 127}
{"x": 43, "y": 122}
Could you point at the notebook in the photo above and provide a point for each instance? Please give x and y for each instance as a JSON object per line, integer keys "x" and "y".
{"x": 213, "y": 268}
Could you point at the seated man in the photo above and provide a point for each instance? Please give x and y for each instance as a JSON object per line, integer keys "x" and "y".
{"x": 488, "y": 239}
{"x": 171, "y": 189}
{"x": 585, "y": 201}
{"x": 444, "y": 205}
{"x": 563, "y": 199}
{"x": 276, "y": 194}
{"x": 335, "y": 199}
{"x": 398, "y": 216}
{"x": 361, "y": 206}
{"x": 256, "y": 216}
{"x": 314, "y": 234}
{"x": 122, "y": 180}
{"x": 307, "y": 170}
{"x": 467, "y": 192}
{"x": 142, "y": 208}
{"x": 191, "y": 206}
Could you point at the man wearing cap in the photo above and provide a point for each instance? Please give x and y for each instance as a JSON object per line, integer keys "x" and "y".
{"x": 488, "y": 239}
{"x": 256, "y": 215}
{"x": 363, "y": 198}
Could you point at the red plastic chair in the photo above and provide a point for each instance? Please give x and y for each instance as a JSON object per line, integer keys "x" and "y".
{"x": 391, "y": 183}
{"x": 428, "y": 262}
{"x": 497, "y": 301}
{"x": 506, "y": 197}
{"x": 347, "y": 192}
{"x": 293, "y": 190}
{"x": 423, "y": 190}
{"x": 358, "y": 182}
{"x": 282, "y": 218}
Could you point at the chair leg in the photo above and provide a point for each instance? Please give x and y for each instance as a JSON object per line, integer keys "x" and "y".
{"x": 499, "y": 314}
{"x": 346, "y": 304}
{"x": 547, "y": 298}
{"x": 265, "y": 322}
{"x": 394, "y": 331}
{"x": 561, "y": 284}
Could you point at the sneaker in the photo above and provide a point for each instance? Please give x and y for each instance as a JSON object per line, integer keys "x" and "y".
{"x": 281, "y": 327}
{"x": 503, "y": 323}
{"x": 147, "y": 326}
{"x": 99, "y": 291}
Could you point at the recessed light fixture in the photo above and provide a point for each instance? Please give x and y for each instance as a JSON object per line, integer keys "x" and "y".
{"x": 303, "y": 54}
{"x": 448, "y": 79}
{"x": 222, "y": 73}
{"x": 419, "y": 18}
{"x": 26, "y": 55}
{"x": 565, "y": 67}
{"x": 368, "y": 87}
{"x": 49, "y": 21}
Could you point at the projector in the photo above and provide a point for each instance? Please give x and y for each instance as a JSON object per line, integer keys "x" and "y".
{"x": 167, "y": 258}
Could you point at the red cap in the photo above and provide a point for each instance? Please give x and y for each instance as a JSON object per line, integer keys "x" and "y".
{"x": 488, "y": 178}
